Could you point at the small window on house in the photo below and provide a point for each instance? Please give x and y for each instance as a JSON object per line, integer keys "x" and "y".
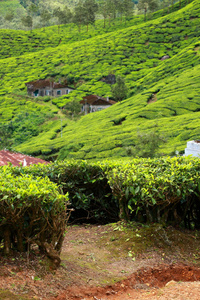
{"x": 36, "y": 93}
{"x": 47, "y": 92}
{"x": 58, "y": 93}
{"x": 67, "y": 91}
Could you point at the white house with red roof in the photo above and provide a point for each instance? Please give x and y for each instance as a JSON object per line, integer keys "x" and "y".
{"x": 94, "y": 103}
{"x": 47, "y": 88}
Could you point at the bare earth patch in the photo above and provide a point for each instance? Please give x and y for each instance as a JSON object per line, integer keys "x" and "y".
{"x": 110, "y": 262}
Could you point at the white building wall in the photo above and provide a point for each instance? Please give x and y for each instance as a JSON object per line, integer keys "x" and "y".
{"x": 63, "y": 91}
{"x": 94, "y": 108}
{"x": 193, "y": 148}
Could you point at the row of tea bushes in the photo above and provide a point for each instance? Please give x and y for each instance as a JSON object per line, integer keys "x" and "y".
{"x": 34, "y": 211}
{"x": 89, "y": 192}
{"x": 124, "y": 52}
{"x": 19, "y": 42}
{"x": 163, "y": 190}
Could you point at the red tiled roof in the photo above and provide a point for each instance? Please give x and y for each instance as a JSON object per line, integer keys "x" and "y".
{"x": 16, "y": 158}
{"x": 96, "y": 100}
{"x": 40, "y": 84}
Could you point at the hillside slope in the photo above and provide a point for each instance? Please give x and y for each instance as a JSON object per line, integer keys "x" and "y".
{"x": 135, "y": 53}
{"x": 97, "y": 135}
{"x": 18, "y": 42}
{"x": 132, "y": 52}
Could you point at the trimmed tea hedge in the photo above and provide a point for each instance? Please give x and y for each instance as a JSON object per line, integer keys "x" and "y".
{"x": 32, "y": 211}
{"x": 159, "y": 190}
{"x": 89, "y": 192}
{"x": 163, "y": 190}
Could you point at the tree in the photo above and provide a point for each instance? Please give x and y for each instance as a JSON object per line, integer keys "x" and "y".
{"x": 120, "y": 8}
{"x": 27, "y": 21}
{"x": 68, "y": 15}
{"x": 79, "y": 15}
{"x": 64, "y": 16}
{"x": 111, "y": 9}
{"x": 90, "y": 8}
{"x": 24, "y": 3}
{"x": 45, "y": 16}
{"x": 166, "y": 3}
{"x": 116, "y": 4}
{"x": 32, "y": 9}
{"x": 9, "y": 16}
{"x": 72, "y": 109}
{"x": 147, "y": 144}
{"x": 128, "y": 8}
{"x": 103, "y": 10}
{"x": 119, "y": 90}
{"x": 147, "y": 5}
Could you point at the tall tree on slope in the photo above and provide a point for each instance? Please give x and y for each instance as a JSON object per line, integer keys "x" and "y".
{"x": 90, "y": 8}
{"x": 103, "y": 10}
{"x": 79, "y": 15}
{"x": 128, "y": 8}
{"x": 119, "y": 89}
{"x": 147, "y": 5}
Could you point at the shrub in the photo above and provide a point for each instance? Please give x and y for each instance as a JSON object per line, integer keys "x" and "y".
{"x": 86, "y": 184}
{"x": 162, "y": 190}
{"x": 32, "y": 211}
{"x": 147, "y": 144}
{"x": 158, "y": 190}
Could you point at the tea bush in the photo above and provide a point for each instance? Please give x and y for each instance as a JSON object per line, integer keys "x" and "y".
{"x": 32, "y": 211}
{"x": 162, "y": 190}
{"x": 86, "y": 184}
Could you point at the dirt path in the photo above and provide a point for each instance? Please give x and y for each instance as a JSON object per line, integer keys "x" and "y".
{"x": 111, "y": 262}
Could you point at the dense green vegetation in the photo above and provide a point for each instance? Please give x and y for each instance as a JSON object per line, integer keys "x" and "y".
{"x": 32, "y": 212}
{"x": 29, "y": 14}
{"x": 147, "y": 190}
{"x": 13, "y": 11}
{"x": 162, "y": 93}
{"x": 23, "y": 118}
{"x": 15, "y": 43}
{"x": 156, "y": 115}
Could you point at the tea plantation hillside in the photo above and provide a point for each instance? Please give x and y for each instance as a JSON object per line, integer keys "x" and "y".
{"x": 133, "y": 52}
{"x": 162, "y": 93}
{"x": 108, "y": 133}
{"x": 18, "y": 42}
{"x": 23, "y": 117}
